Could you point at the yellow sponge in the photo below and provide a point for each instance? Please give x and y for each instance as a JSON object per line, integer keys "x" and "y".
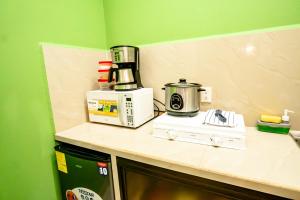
{"x": 270, "y": 118}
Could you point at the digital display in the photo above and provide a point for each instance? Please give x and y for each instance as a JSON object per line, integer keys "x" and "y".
{"x": 128, "y": 99}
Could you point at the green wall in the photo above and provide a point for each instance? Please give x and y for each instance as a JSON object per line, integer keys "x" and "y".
{"x": 27, "y": 164}
{"x": 142, "y": 22}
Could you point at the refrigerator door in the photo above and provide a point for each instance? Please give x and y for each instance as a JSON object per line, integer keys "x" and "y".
{"x": 84, "y": 174}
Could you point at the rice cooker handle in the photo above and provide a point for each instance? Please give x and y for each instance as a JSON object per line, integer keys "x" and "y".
{"x": 200, "y": 89}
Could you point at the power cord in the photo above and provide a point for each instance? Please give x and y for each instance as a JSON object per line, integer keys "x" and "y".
{"x": 157, "y": 107}
{"x": 159, "y": 102}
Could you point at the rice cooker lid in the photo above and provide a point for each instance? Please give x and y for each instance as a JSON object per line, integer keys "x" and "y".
{"x": 183, "y": 84}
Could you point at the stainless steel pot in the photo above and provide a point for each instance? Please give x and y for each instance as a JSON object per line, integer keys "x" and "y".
{"x": 182, "y": 98}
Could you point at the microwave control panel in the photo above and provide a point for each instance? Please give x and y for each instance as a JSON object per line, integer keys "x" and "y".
{"x": 129, "y": 111}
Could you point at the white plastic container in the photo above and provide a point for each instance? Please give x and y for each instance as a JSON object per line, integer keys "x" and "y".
{"x": 103, "y": 70}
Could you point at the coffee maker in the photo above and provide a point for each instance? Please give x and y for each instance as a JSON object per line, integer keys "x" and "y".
{"x": 127, "y": 74}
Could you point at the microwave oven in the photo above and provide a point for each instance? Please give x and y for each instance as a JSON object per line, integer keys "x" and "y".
{"x": 122, "y": 108}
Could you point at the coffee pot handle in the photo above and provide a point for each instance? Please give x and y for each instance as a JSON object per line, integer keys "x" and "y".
{"x": 111, "y": 73}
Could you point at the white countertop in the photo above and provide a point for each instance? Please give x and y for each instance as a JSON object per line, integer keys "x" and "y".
{"x": 271, "y": 162}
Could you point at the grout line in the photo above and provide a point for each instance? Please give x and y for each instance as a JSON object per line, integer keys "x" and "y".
{"x": 249, "y": 32}
{"x": 70, "y": 46}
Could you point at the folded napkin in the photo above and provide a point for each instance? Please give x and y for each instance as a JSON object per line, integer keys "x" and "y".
{"x": 212, "y": 119}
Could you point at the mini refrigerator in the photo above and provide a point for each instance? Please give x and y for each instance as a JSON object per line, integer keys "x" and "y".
{"x": 84, "y": 174}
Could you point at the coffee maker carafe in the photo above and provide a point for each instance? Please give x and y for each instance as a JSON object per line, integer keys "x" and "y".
{"x": 127, "y": 74}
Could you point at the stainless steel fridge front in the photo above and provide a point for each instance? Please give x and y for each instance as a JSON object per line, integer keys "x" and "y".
{"x": 84, "y": 174}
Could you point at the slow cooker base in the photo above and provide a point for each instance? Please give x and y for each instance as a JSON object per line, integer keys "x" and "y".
{"x": 182, "y": 114}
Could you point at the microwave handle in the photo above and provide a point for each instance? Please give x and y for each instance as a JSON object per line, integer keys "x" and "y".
{"x": 121, "y": 117}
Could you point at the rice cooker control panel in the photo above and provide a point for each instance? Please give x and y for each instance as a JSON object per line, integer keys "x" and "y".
{"x": 176, "y": 101}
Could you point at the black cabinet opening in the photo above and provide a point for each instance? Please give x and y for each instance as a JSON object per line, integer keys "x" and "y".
{"x": 139, "y": 181}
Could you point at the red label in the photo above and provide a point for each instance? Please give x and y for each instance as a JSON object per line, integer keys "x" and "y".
{"x": 103, "y": 70}
{"x": 103, "y": 80}
{"x": 101, "y": 164}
